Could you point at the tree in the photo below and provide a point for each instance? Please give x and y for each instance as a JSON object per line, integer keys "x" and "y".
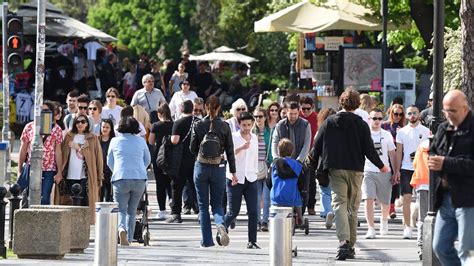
{"x": 136, "y": 22}
{"x": 205, "y": 19}
{"x": 467, "y": 32}
{"x": 77, "y": 9}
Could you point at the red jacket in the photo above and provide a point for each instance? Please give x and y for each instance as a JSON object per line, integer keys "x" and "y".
{"x": 313, "y": 121}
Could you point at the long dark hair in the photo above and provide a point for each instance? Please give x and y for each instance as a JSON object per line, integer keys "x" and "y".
{"x": 111, "y": 124}
{"x": 213, "y": 106}
{"x": 74, "y": 127}
{"x": 164, "y": 110}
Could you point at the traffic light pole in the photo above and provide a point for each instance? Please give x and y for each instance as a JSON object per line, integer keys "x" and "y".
{"x": 6, "y": 95}
{"x": 37, "y": 153}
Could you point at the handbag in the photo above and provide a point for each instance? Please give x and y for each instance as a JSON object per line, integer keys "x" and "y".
{"x": 153, "y": 114}
{"x": 24, "y": 178}
{"x": 262, "y": 172}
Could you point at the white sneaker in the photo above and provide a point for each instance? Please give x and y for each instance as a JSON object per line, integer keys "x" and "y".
{"x": 407, "y": 233}
{"x": 123, "y": 237}
{"x": 161, "y": 215}
{"x": 370, "y": 233}
{"x": 329, "y": 220}
{"x": 384, "y": 227}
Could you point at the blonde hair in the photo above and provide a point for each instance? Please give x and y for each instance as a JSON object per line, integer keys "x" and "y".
{"x": 366, "y": 102}
{"x": 141, "y": 116}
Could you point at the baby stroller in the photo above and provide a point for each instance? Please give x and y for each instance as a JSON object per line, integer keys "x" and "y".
{"x": 142, "y": 232}
{"x": 299, "y": 221}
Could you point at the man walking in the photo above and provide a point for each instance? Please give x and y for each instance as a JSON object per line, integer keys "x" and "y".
{"x": 149, "y": 97}
{"x": 343, "y": 141}
{"x": 244, "y": 182}
{"x": 407, "y": 141}
{"x": 377, "y": 185}
{"x": 453, "y": 157}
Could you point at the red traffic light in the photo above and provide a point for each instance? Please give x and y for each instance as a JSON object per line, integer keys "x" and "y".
{"x": 14, "y": 42}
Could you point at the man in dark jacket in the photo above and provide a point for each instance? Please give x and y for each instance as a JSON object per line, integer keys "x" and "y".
{"x": 452, "y": 155}
{"x": 343, "y": 141}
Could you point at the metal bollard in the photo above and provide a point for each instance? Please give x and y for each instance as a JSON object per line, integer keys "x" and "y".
{"x": 3, "y": 205}
{"x": 281, "y": 222}
{"x": 106, "y": 234}
{"x": 15, "y": 190}
{"x": 76, "y": 190}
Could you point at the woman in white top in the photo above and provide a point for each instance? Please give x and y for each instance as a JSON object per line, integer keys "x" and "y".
{"x": 237, "y": 108}
{"x": 180, "y": 97}
{"x": 95, "y": 110}
{"x": 111, "y": 110}
{"x": 178, "y": 77}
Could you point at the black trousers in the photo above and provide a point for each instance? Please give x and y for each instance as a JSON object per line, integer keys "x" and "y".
{"x": 312, "y": 190}
{"x": 163, "y": 186}
{"x": 178, "y": 183}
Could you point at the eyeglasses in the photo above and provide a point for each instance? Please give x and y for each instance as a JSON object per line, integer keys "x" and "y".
{"x": 81, "y": 122}
{"x": 92, "y": 108}
{"x": 258, "y": 116}
{"x": 82, "y": 107}
{"x": 412, "y": 113}
{"x": 111, "y": 96}
{"x": 377, "y": 118}
{"x": 305, "y": 108}
{"x": 240, "y": 109}
{"x": 197, "y": 110}
{"x": 149, "y": 81}
{"x": 398, "y": 114}
{"x": 274, "y": 110}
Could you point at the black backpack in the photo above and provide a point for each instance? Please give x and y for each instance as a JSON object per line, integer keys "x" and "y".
{"x": 164, "y": 156}
{"x": 210, "y": 149}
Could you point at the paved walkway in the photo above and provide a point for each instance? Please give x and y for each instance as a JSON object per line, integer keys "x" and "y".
{"x": 178, "y": 244}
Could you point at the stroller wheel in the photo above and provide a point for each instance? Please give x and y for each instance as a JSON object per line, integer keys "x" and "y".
{"x": 146, "y": 238}
{"x": 306, "y": 226}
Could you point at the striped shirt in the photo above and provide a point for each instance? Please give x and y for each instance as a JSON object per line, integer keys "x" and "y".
{"x": 262, "y": 151}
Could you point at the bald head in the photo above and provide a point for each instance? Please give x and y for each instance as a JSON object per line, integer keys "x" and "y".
{"x": 455, "y": 107}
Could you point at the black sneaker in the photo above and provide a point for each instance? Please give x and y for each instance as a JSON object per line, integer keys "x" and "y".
{"x": 174, "y": 219}
{"x": 264, "y": 227}
{"x": 343, "y": 252}
{"x": 352, "y": 253}
{"x": 252, "y": 245}
{"x": 222, "y": 237}
{"x": 232, "y": 224}
{"x": 259, "y": 227}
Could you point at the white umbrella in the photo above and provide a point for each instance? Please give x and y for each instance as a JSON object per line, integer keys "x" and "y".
{"x": 223, "y": 53}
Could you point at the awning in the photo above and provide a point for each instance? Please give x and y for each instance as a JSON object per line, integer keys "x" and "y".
{"x": 223, "y": 53}
{"x": 305, "y": 17}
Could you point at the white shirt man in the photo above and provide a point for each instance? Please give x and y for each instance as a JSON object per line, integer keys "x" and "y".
{"x": 408, "y": 139}
{"x": 378, "y": 185}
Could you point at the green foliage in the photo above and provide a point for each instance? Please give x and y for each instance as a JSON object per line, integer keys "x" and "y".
{"x": 75, "y": 8}
{"x": 453, "y": 59}
{"x": 168, "y": 23}
{"x": 416, "y": 62}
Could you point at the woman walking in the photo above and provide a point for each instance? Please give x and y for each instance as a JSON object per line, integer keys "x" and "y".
{"x": 209, "y": 173}
{"x": 95, "y": 109}
{"x": 111, "y": 110}
{"x": 83, "y": 162}
{"x": 128, "y": 174}
{"x": 106, "y": 134}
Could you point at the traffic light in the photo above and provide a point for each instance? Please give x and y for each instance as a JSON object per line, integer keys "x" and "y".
{"x": 15, "y": 43}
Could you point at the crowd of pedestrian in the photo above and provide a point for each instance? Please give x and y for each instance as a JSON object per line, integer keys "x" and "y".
{"x": 174, "y": 128}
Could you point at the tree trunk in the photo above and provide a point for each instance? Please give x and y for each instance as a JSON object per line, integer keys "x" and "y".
{"x": 423, "y": 15}
{"x": 467, "y": 37}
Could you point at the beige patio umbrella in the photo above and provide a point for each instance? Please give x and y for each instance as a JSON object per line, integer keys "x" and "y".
{"x": 305, "y": 17}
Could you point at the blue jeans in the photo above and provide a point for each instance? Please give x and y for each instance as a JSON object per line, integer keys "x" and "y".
{"x": 452, "y": 223}
{"x": 263, "y": 192}
{"x": 47, "y": 181}
{"x": 234, "y": 198}
{"x": 128, "y": 192}
{"x": 325, "y": 195}
{"x": 209, "y": 181}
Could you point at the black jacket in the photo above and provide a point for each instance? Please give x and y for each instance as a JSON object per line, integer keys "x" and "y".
{"x": 458, "y": 166}
{"x": 343, "y": 141}
{"x": 223, "y": 131}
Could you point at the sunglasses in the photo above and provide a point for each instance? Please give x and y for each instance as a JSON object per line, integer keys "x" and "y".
{"x": 240, "y": 109}
{"x": 398, "y": 114}
{"x": 93, "y": 108}
{"x": 258, "y": 116}
{"x": 274, "y": 110}
{"x": 82, "y": 107}
{"x": 305, "y": 108}
{"x": 149, "y": 81}
{"x": 186, "y": 83}
{"x": 81, "y": 122}
{"x": 111, "y": 96}
{"x": 412, "y": 113}
{"x": 197, "y": 110}
{"x": 377, "y": 118}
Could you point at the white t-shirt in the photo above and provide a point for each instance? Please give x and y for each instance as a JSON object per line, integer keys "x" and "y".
{"x": 129, "y": 79}
{"x": 113, "y": 114}
{"x": 179, "y": 98}
{"x": 383, "y": 143}
{"x": 410, "y": 137}
{"x": 246, "y": 161}
{"x": 363, "y": 114}
{"x": 92, "y": 48}
{"x": 75, "y": 169}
